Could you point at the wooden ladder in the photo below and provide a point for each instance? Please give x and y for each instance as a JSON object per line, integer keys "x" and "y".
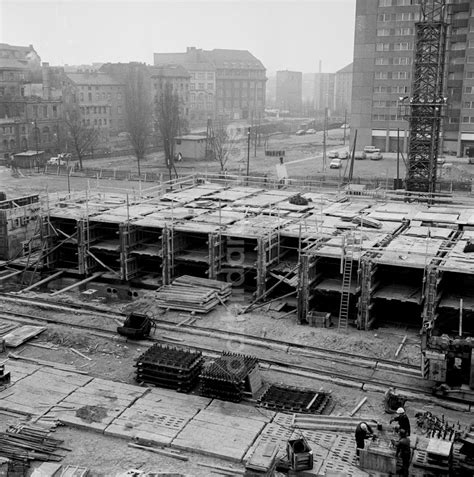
{"x": 347, "y": 255}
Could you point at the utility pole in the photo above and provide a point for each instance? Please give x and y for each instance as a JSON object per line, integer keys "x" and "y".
{"x": 324, "y": 137}
{"x": 398, "y": 159}
{"x": 345, "y": 125}
{"x": 248, "y": 152}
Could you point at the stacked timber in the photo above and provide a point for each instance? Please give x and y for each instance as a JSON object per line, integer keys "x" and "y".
{"x": 229, "y": 377}
{"x": 189, "y": 293}
{"x": 291, "y": 399}
{"x": 26, "y": 443}
{"x": 169, "y": 367}
{"x": 434, "y": 454}
{"x": 329, "y": 423}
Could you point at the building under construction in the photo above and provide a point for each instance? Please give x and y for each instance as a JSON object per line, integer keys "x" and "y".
{"x": 370, "y": 259}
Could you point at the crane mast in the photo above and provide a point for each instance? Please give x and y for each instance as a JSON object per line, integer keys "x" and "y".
{"x": 427, "y": 103}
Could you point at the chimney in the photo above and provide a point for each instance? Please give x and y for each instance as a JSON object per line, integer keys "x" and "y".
{"x": 46, "y": 77}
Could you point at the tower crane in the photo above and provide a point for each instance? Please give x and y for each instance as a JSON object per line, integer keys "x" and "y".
{"x": 427, "y": 102}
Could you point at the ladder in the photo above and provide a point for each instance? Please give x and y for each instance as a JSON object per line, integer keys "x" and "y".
{"x": 347, "y": 256}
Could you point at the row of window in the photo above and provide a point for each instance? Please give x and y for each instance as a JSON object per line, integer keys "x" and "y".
{"x": 399, "y": 46}
{"x": 397, "y": 60}
{"x": 43, "y": 111}
{"x": 385, "y": 104}
{"x": 395, "y": 31}
{"x": 200, "y": 75}
{"x": 94, "y": 109}
{"x": 398, "y": 3}
{"x": 399, "y": 17}
{"x": 96, "y": 122}
{"x": 387, "y": 117}
{"x": 201, "y": 86}
{"x": 11, "y": 76}
{"x": 99, "y": 96}
{"x": 394, "y": 75}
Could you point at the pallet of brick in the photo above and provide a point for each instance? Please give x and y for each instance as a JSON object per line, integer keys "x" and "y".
{"x": 228, "y": 377}
{"x": 291, "y": 399}
{"x": 169, "y": 367}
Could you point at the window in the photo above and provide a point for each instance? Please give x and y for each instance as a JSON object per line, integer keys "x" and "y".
{"x": 55, "y": 111}
{"x": 192, "y": 86}
{"x": 89, "y": 97}
{"x": 210, "y": 76}
{"x": 105, "y": 121}
{"x": 381, "y": 75}
{"x": 383, "y": 32}
{"x": 402, "y": 46}
{"x": 385, "y": 3}
{"x": 119, "y": 109}
{"x": 470, "y": 59}
{"x": 403, "y": 3}
{"x": 400, "y": 75}
{"x": 382, "y": 46}
{"x": 470, "y": 74}
{"x": 402, "y": 60}
{"x": 81, "y": 96}
{"x": 471, "y": 44}
{"x": 385, "y": 17}
{"x": 467, "y": 105}
{"x": 119, "y": 96}
{"x": 200, "y": 75}
{"x": 404, "y": 31}
{"x": 210, "y": 85}
{"x": 201, "y": 86}
{"x": 469, "y": 89}
{"x": 465, "y": 119}
{"x": 381, "y": 61}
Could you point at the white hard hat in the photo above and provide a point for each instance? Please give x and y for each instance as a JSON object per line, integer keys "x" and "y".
{"x": 400, "y": 410}
{"x": 363, "y": 426}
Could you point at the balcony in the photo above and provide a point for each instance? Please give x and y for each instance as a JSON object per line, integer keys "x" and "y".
{"x": 459, "y": 38}
{"x": 461, "y": 23}
{"x": 456, "y": 68}
{"x": 457, "y": 54}
{"x": 460, "y": 7}
{"x": 452, "y": 83}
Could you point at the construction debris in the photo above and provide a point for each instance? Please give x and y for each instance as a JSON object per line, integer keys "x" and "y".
{"x": 430, "y": 425}
{"x": 193, "y": 294}
{"x": 27, "y": 443}
{"x": 169, "y": 367}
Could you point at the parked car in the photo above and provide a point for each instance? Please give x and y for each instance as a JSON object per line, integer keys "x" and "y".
{"x": 300, "y": 132}
{"x": 343, "y": 155}
{"x": 375, "y": 156}
{"x": 359, "y": 155}
{"x": 56, "y": 161}
{"x": 333, "y": 154}
{"x": 369, "y": 149}
{"x": 335, "y": 164}
{"x": 440, "y": 161}
{"x": 311, "y": 131}
{"x": 345, "y": 126}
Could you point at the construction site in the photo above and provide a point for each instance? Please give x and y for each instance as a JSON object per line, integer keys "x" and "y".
{"x": 234, "y": 325}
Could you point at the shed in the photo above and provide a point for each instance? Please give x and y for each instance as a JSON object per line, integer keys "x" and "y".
{"x": 191, "y": 146}
{"x": 28, "y": 159}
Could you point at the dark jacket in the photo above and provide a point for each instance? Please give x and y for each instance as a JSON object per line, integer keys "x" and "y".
{"x": 403, "y": 422}
{"x": 360, "y": 434}
{"x": 403, "y": 448}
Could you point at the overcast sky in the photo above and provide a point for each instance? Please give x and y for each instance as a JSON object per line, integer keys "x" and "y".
{"x": 293, "y": 34}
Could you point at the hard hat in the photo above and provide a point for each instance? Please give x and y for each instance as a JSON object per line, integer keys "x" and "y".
{"x": 400, "y": 410}
{"x": 363, "y": 426}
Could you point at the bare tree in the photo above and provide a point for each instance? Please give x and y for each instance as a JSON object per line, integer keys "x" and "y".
{"x": 223, "y": 143}
{"x": 82, "y": 138}
{"x": 138, "y": 111}
{"x": 169, "y": 121}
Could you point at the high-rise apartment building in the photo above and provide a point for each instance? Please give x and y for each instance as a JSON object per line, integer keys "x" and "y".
{"x": 289, "y": 91}
{"x": 343, "y": 90}
{"x": 383, "y": 58}
{"x": 324, "y": 88}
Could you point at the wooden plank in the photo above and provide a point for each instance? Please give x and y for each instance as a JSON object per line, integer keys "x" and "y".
{"x": 42, "y": 282}
{"x": 172, "y": 454}
{"x": 77, "y": 284}
{"x": 22, "y": 334}
{"x": 361, "y": 403}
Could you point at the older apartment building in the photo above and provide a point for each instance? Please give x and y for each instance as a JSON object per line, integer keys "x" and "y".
{"x": 383, "y": 57}
{"x": 224, "y": 84}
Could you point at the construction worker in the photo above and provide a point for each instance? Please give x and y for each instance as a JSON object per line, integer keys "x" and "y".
{"x": 402, "y": 420}
{"x": 404, "y": 452}
{"x": 363, "y": 431}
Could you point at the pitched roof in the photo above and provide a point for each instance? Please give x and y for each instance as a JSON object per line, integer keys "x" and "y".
{"x": 10, "y": 63}
{"x": 92, "y": 78}
{"x": 6, "y": 46}
{"x": 171, "y": 71}
{"x": 346, "y": 69}
{"x": 234, "y": 59}
{"x": 192, "y": 60}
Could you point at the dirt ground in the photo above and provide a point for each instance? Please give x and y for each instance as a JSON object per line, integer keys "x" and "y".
{"x": 114, "y": 359}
